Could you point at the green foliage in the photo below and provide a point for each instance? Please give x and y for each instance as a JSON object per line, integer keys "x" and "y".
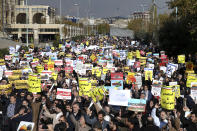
{"x": 25, "y": 48}
{"x": 4, "y": 52}
{"x": 78, "y": 38}
{"x": 143, "y": 30}
{"x": 103, "y": 28}
{"x": 56, "y": 41}
{"x": 174, "y": 38}
{"x": 179, "y": 34}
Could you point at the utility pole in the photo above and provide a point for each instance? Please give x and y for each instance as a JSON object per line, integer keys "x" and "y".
{"x": 27, "y": 22}
{"x": 3, "y": 8}
{"x": 176, "y": 13}
{"x": 77, "y": 5}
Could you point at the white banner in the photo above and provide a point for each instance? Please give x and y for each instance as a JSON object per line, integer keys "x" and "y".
{"x": 63, "y": 94}
{"x": 119, "y": 97}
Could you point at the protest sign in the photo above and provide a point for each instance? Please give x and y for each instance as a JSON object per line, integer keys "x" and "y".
{"x": 39, "y": 68}
{"x": 131, "y": 77}
{"x": 167, "y": 98}
{"x": 130, "y": 55}
{"x": 48, "y": 72}
{"x": 44, "y": 77}
{"x": 93, "y": 58}
{"x": 138, "y": 78}
{"x": 8, "y": 57}
{"x": 142, "y": 61}
{"x": 1, "y": 73}
{"x": 194, "y": 90}
{"x": 156, "y": 88}
{"x": 117, "y": 76}
{"x": 171, "y": 68}
{"x": 119, "y": 97}
{"x": 17, "y": 72}
{"x": 2, "y": 62}
{"x": 84, "y": 86}
{"x": 50, "y": 65}
{"x": 138, "y": 54}
{"x": 11, "y": 50}
{"x": 34, "y": 64}
{"x": 148, "y": 74}
{"x": 25, "y": 126}
{"x": 64, "y": 94}
{"x": 181, "y": 59}
{"x": 5, "y": 89}
{"x": 190, "y": 79}
{"x": 12, "y": 78}
{"x": 34, "y": 84}
{"x": 117, "y": 84}
{"x": 97, "y": 92}
{"x": 58, "y": 62}
{"x": 137, "y": 105}
{"x": 68, "y": 69}
{"x": 21, "y": 84}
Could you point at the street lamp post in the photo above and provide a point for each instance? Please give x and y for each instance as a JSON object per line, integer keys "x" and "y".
{"x": 27, "y": 39}
{"x": 77, "y": 5}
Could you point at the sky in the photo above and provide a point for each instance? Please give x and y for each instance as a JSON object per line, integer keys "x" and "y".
{"x": 101, "y": 8}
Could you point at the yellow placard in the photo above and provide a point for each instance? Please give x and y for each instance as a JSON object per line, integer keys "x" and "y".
{"x": 39, "y": 68}
{"x": 93, "y": 57}
{"x": 60, "y": 45}
{"x": 17, "y": 72}
{"x": 34, "y": 83}
{"x": 130, "y": 55}
{"x": 54, "y": 75}
{"x": 52, "y": 48}
{"x": 87, "y": 43}
{"x": 21, "y": 84}
{"x": 105, "y": 70}
{"x": 35, "y": 59}
{"x": 190, "y": 79}
{"x": 167, "y": 98}
{"x": 138, "y": 54}
{"x": 143, "y": 60}
{"x": 5, "y": 89}
{"x": 45, "y": 61}
{"x": 84, "y": 86}
{"x": 51, "y": 65}
{"x": 93, "y": 83}
{"x": 181, "y": 58}
{"x": 12, "y": 78}
{"x": 2, "y": 62}
{"x": 148, "y": 74}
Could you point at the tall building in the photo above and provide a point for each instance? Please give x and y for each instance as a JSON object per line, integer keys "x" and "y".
{"x": 35, "y": 21}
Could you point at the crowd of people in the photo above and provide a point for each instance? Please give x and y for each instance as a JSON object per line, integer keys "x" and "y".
{"x": 83, "y": 112}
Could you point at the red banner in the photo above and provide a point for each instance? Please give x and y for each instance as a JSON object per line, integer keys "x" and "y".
{"x": 117, "y": 76}
{"x": 69, "y": 69}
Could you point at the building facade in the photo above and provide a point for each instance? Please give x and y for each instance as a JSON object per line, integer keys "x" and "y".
{"x": 38, "y": 21}
{"x": 141, "y": 15}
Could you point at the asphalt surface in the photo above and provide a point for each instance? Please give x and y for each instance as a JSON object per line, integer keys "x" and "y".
{"x": 5, "y": 43}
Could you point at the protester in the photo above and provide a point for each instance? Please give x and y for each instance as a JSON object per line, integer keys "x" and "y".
{"x": 98, "y": 84}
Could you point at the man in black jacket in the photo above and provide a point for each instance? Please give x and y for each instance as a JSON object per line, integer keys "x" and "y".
{"x": 150, "y": 125}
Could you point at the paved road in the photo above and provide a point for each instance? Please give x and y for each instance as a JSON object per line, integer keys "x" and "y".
{"x": 5, "y": 43}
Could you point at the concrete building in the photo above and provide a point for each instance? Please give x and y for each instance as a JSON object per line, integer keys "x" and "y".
{"x": 141, "y": 15}
{"x": 38, "y": 21}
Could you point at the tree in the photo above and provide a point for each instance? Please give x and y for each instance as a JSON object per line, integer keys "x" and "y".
{"x": 103, "y": 28}
{"x": 143, "y": 30}
{"x": 187, "y": 12}
{"x": 174, "y": 38}
{"x": 178, "y": 35}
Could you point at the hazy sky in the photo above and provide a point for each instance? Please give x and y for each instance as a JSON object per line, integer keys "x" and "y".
{"x": 101, "y": 8}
